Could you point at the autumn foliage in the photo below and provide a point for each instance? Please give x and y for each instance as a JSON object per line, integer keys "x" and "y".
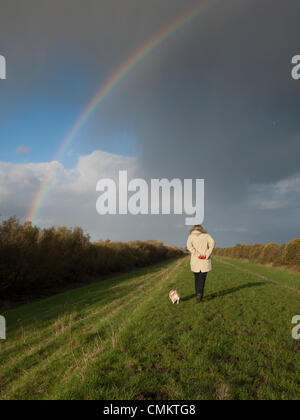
{"x": 272, "y": 253}
{"x": 35, "y": 262}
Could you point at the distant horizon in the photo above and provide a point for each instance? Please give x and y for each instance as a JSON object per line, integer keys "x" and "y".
{"x": 150, "y": 238}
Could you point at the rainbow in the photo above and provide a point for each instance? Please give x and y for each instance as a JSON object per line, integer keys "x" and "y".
{"x": 106, "y": 88}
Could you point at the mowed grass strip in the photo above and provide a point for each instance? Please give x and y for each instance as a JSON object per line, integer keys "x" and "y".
{"x": 123, "y": 339}
{"x": 47, "y": 337}
{"x": 280, "y": 275}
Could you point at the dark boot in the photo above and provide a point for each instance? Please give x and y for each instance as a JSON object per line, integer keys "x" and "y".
{"x": 198, "y": 298}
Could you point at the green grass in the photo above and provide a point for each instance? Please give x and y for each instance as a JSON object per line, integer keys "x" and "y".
{"x": 281, "y": 275}
{"x": 123, "y": 339}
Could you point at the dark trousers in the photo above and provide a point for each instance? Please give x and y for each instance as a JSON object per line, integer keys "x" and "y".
{"x": 200, "y": 283}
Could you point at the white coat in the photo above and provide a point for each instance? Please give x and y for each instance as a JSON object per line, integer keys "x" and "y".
{"x": 200, "y": 244}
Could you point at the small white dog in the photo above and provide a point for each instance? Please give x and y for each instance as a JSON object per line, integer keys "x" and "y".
{"x": 174, "y": 296}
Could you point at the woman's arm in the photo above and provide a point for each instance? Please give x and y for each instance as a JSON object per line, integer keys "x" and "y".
{"x": 191, "y": 247}
{"x": 211, "y": 245}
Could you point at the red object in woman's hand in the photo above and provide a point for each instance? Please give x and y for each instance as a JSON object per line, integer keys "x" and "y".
{"x": 202, "y": 257}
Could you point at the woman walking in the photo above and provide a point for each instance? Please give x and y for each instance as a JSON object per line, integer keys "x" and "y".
{"x": 200, "y": 244}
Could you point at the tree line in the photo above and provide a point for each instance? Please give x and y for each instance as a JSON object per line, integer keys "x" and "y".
{"x": 37, "y": 262}
{"x": 272, "y": 253}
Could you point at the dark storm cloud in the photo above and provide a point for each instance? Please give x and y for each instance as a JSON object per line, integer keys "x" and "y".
{"x": 227, "y": 111}
{"x": 104, "y": 32}
{"x": 220, "y": 104}
{"x": 215, "y": 101}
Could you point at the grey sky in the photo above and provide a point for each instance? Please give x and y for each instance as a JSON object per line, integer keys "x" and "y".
{"x": 216, "y": 101}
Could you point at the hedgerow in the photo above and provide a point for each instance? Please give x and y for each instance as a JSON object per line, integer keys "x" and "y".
{"x": 35, "y": 262}
{"x": 272, "y": 253}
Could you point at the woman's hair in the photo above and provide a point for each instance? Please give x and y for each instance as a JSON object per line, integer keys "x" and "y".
{"x": 199, "y": 228}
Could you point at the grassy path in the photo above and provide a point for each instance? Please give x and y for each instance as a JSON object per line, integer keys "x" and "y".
{"x": 286, "y": 279}
{"x": 123, "y": 339}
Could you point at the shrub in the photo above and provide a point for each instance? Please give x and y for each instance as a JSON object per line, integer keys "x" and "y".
{"x": 291, "y": 253}
{"x": 255, "y": 252}
{"x": 270, "y": 253}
